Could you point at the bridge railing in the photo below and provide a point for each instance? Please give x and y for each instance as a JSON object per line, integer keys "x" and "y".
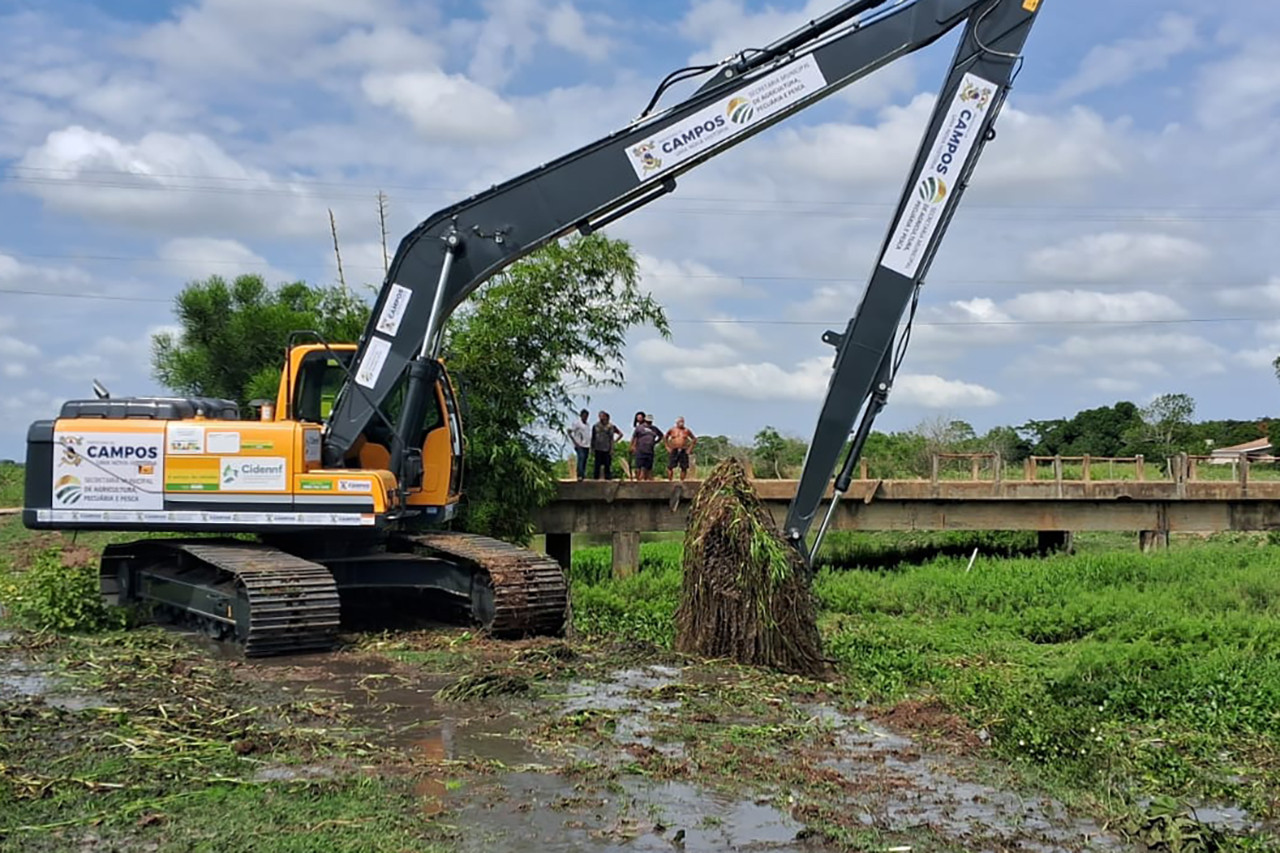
{"x": 993, "y": 468}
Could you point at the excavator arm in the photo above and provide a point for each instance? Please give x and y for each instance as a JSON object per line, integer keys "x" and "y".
{"x": 453, "y": 252}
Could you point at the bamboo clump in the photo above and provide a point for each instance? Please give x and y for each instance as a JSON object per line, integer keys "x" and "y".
{"x": 746, "y": 593}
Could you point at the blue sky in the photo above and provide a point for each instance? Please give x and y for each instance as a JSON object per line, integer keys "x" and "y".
{"x": 1118, "y": 240}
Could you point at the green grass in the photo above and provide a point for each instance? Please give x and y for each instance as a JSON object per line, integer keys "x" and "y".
{"x": 11, "y": 485}
{"x": 636, "y": 608}
{"x": 1110, "y": 673}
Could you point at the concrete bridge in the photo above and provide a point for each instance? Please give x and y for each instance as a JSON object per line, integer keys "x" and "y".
{"x": 1055, "y": 496}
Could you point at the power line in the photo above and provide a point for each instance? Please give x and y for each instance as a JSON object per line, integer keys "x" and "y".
{"x": 749, "y": 321}
{"x": 290, "y": 187}
{"x": 756, "y": 279}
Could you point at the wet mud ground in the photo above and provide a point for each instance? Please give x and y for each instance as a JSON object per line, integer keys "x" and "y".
{"x": 515, "y": 746}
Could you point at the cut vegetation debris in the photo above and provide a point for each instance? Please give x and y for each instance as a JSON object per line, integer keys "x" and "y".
{"x": 746, "y": 594}
{"x": 483, "y": 686}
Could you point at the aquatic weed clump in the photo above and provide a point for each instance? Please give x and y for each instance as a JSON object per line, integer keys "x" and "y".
{"x": 746, "y": 593}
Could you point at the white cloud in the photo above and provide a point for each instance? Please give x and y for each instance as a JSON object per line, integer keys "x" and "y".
{"x": 1126, "y": 355}
{"x": 17, "y": 275}
{"x": 1263, "y": 296}
{"x": 933, "y": 392}
{"x": 199, "y": 257}
{"x": 567, "y": 29}
{"x": 1260, "y": 357}
{"x": 1085, "y": 305}
{"x": 808, "y": 381}
{"x": 660, "y": 352}
{"x": 11, "y": 347}
{"x": 737, "y": 334}
{"x": 151, "y": 183}
{"x": 448, "y": 108}
{"x": 1116, "y": 256}
{"x": 1240, "y": 89}
{"x": 725, "y": 27}
{"x": 1112, "y": 385}
{"x": 1034, "y": 154}
{"x": 761, "y": 381}
{"x": 685, "y": 281}
{"x": 217, "y": 38}
{"x": 1114, "y": 64}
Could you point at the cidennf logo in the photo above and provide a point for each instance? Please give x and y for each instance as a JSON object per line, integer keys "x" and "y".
{"x": 740, "y": 111}
{"x": 932, "y": 190}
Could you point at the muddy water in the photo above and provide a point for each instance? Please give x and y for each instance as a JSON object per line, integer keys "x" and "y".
{"x": 899, "y": 786}
{"x": 540, "y": 812}
{"x": 20, "y": 681}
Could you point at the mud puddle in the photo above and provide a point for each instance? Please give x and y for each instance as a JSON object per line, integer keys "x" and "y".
{"x": 528, "y": 811}
{"x": 907, "y": 788}
{"x": 18, "y": 680}
{"x": 893, "y": 785}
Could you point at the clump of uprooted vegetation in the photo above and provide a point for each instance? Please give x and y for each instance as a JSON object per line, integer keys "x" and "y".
{"x": 746, "y": 593}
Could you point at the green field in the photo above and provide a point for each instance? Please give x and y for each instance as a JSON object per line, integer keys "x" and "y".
{"x": 1109, "y": 678}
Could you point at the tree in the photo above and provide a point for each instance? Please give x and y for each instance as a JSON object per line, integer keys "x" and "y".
{"x": 715, "y": 448}
{"x": 1165, "y": 426}
{"x": 232, "y": 336}
{"x": 552, "y": 326}
{"x": 768, "y": 450}
{"x": 1096, "y": 432}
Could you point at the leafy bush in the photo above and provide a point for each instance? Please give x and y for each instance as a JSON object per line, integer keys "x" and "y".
{"x": 54, "y": 596}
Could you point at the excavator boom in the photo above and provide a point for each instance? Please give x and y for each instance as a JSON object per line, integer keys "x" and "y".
{"x": 454, "y": 251}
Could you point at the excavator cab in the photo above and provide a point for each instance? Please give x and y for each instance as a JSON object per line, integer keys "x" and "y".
{"x": 309, "y": 384}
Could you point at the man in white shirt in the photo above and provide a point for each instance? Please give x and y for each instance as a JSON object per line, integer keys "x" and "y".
{"x": 580, "y": 435}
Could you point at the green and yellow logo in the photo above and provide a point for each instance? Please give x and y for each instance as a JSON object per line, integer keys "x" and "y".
{"x": 740, "y": 111}
{"x": 68, "y": 489}
{"x": 932, "y": 190}
{"x": 316, "y": 485}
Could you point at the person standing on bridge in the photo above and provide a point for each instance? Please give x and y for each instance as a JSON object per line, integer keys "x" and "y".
{"x": 643, "y": 441}
{"x": 580, "y": 435}
{"x": 603, "y": 436}
{"x": 680, "y": 442}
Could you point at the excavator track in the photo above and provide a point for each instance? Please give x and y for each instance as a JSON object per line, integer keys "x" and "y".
{"x": 528, "y": 590}
{"x": 270, "y": 601}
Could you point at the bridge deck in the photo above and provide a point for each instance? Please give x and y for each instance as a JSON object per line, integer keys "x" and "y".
{"x": 1183, "y": 503}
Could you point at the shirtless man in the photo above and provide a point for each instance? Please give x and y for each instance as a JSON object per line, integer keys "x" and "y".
{"x": 679, "y": 442}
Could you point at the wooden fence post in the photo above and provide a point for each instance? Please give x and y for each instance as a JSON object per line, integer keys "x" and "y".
{"x": 1084, "y": 467}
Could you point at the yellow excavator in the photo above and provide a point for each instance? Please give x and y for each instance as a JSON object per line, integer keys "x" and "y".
{"x": 346, "y": 478}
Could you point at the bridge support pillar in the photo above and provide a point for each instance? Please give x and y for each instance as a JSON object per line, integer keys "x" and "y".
{"x": 560, "y": 548}
{"x": 1055, "y": 541}
{"x": 626, "y": 553}
{"x": 1153, "y": 540}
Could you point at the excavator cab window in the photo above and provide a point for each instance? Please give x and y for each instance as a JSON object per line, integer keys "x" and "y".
{"x": 320, "y": 375}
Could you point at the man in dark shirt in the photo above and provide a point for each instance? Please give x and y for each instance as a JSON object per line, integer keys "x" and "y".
{"x": 643, "y": 441}
{"x": 603, "y": 435}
